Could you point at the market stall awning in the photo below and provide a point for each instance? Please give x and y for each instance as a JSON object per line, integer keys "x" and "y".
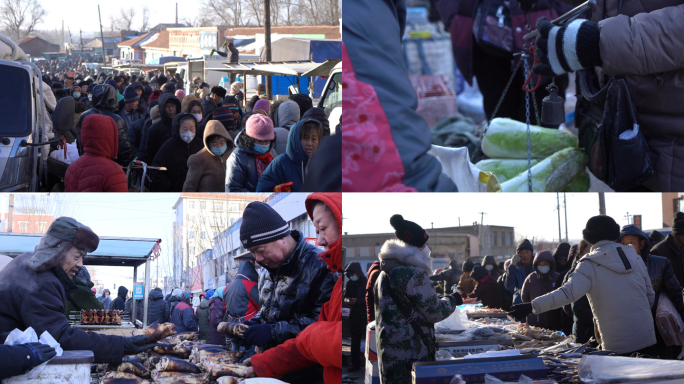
{"x": 323, "y": 69}
{"x": 112, "y": 251}
{"x": 275, "y": 68}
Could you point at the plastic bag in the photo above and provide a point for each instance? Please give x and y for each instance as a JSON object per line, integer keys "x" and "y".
{"x": 71, "y": 155}
{"x": 615, "y": 369}
{"x": 443, "y": 355}
{"x": 451, "y": 323}
{"x": 29, "y": 336}
{"x": 467, "y": 177}
{"x": 489, "y": 379}
{"x": 481, "y": 333}
{"x": 458, "y": 379}
{"x": 669, "y": 322}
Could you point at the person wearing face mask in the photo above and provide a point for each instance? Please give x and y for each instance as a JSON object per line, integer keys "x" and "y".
{"x": 87, "y": 97}
{"x": 405, "y": 299}
{"x": 214, "y": 100}
{"x": 519, "y": 269}
{"x": 542, "y": 281}
{"x": 160, "y": 132}
{"x": 207, "y": 168}
{"x": 292, "y": 165}
{"x": 489, "y": 263}
{"x": 486, "y": 290}
{"x": 252, "y": 155}
{"x": 174, "y": 155}
{"x": 354, "y": 297}
{"x": 75, "y": 92}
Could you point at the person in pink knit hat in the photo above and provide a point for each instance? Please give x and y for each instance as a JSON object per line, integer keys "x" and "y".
{"x": 252, "y": 155}
{"x": 262, "y": 106}
{"x": 180, "y": 94}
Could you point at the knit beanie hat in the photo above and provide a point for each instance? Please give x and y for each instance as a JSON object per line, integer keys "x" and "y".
{"x": 408, "y": 231}
{"x": 225, "y": 116}
{"x": 601, "y": 228}
{"x": 236, "y": 87}
{"x": 479, "y": 272}
{"x": 209, "y": 294}
{"x": 261, "y": 224}
{"x": 261, "y": 88}
{"x": 169, "y": 88}
{"x": 154, "y": 114}
{"x": 154, "y": 96}
{"x": 263, "y": 105}
{"x": 180, "y": 93}
{"x": 678, "y": 227}
{"x": 260, "y": 127}
{"x": 130, "y": 94}
{"x": 562, "y": 251}
{"x": 220, "y": 91}
{"x": 113, "y": 84}
{"x": 525, "y": 244}
{"x": 468, "y": 265}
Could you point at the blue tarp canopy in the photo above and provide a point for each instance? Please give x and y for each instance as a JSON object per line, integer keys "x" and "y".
{"x": 112, "y": 251}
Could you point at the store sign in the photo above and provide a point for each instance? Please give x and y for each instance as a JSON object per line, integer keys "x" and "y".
{"x": 208, "y": 41}
{"x": 138, "y": 292}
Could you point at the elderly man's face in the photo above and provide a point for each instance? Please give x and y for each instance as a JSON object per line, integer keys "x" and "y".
{"x": 272, "y": 254}
{"x": 326, "y": 226}
{"x": 72, "y": 262}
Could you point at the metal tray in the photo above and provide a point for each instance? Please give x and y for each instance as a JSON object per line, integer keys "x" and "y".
{"x": 476, "y": 315}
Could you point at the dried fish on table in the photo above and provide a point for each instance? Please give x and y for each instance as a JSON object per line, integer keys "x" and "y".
{"x": 207, "y": 361}
{"x": 122, "y": 378}
{"x": 157, "y": 331}
{"x": 197, "y": 355}
{"x": 151, "y": 362}
{"x": 172, "y": 349}
{"x": 229, "y": 380}
{"x": 219, "y": 370}
{"x": 233, "y": 329}
{"x": 169, "y": 363}
{"x": 183, "y": 336}
{"x": 135, "y": 368}
{"x": 180, "y": 378}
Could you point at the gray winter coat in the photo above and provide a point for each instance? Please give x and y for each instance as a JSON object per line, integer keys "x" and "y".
{"x": 106, "y": 301}
{"x": 619, "y": 292}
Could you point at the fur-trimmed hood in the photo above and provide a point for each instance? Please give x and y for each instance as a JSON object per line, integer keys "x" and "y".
{"x": 405, "y": 254}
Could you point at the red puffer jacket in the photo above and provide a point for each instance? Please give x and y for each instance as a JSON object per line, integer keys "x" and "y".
{"x": 307, "y": 349}
{"x": 95, "y": 171}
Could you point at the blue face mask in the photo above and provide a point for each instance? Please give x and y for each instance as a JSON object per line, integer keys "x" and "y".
{"x": 261, "y": 149}
{"x": 77, "y": 95}
{"x": 219, "y": 151}
{"x": 354, "y": 278}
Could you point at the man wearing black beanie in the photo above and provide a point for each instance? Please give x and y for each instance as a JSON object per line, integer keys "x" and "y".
{"x": 406, "y": 304}
{"x": 519, "y": 269}
{"x": 673, "y": 247}
{"x": 618, "y": 287}
{"x": 295, "y": 288}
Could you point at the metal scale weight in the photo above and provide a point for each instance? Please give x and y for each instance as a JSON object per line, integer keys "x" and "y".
{"x": 553, "y": 106}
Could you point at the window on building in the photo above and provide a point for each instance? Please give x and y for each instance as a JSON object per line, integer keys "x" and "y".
{"x": 204, "y": 235}
{"x": 42, "y": 226}
{"x": 495, "y": 238}
{"x": 23, "y": 226}
{"x": 233, "y": 206}
{"x": 503, "y": 238}
{"x": 218, "y": 206}
{"x": 510, "y": 239}
{"x": 191, "y": 234}
{"x": 191, "y": 204}
{"x": 203, "y": 205}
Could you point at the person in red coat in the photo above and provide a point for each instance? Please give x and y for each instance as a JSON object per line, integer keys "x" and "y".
{"x": 320, "y": 342}
{"x": 96, "y": 170}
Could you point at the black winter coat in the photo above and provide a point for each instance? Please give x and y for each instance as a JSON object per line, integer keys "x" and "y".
{"x": 356, "y": 290}
{"x": 450, "y": 276}
{"x": 157, "y": 309}
{"x": 664, "y": 281}
{"x": 135, "y": 134}
{"x": 105, "y": 103}
{"x": 128, "y": 309}
{"x": 14, "y": 359}
{"x": 668, "y": 248}
{"x": 236, "y": 296}
{"x": 293, "y": 294}
{"x": 120, "y": 302}
{"x": 174, "y": 156}
{"x": 171, "y": 303}
{"x": 208, "y": 106}
{"x": 37, "y": 299}
{"x": 582, "y": 315}
{"x": 203, "y": 320}
{"x": 505, "y": 296}
{"x": 161, "y": 131}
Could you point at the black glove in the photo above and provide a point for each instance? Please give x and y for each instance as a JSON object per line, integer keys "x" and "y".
{"x": 259, "y": 334}
{"x": 457, "y": 296}
{"x": 526, "y": 5}
{"x": 557, "y": 56}
{"x": 136, "y": 344}
{"x": 251, "y": 322}
{"x": 520, "y": 311}
{"x": 40, "y": 353}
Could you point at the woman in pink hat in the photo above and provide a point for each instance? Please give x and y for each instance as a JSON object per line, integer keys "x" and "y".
{"x": 252, "y": 155}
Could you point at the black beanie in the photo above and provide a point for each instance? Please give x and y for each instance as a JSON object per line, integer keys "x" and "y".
{"x": 562, "y": 251}
{"x": 601, "y": 228}
{"x": 479, "y": 272}
{"x": 261, "y": 224}
{"x": 408, "y": 231}
{"x": 525, "y": 244}
{"x": 678, "y": 227}
{"x": 467, "y": 265}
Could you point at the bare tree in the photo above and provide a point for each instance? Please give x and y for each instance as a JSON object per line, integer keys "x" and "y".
{"x": 255, "y": 9}
{"x": 145, "y": 18}
{"x": 123, "y": 21}
{"x": 20, "y": 17}
{"x": 36, "y": 211}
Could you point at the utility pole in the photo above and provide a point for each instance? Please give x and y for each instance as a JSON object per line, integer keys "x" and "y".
{"x": 104, "y": 53}
{"x": 81, "y": 42}
{"x": 481, "y": 230}
{"x": 602, "y": 203}
{"x": 267, "y": 43}
{"x": 10, "y": 213}
{"x": 61, "y": 41}
{"x": 559, "y": 221}
{"x": 176, "y": 13}
{"x": 565, "y": 206}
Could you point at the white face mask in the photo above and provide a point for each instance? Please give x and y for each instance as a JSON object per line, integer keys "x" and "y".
{"x": 187, "y": 136}
{"x": 198, "y": 117}
{"x": 489, "y": 267}
{"x": 544, "y": 269}
{"x": 90, "y": 97}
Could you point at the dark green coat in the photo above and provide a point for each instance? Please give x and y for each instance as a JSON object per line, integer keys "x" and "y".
{"x": 203, "y": 319}
{"x": 82, "y": 298}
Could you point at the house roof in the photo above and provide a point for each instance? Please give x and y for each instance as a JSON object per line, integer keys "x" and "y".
{"x": 160, "y": 40}
{"x": 136, "y": 42}
{"x": 160, "y": 27}
{"x": 29, "y": 38}
{"x": 330, "y": 31}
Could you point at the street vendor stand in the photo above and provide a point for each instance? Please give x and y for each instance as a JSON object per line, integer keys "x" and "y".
{"x": 112, "y": 252}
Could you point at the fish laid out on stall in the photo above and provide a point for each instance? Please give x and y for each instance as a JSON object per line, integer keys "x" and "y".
{"x": 172, "y": 349}
{"x": 229, "y": 380}
{"x": 157, "y": 331}
{"x": 122, "y": 378}
{"x": 218, "y": 370}
{"x": 151, "y": 362}
{"x": 186, "y": 378}
{"x": 207, "y": 361}
{"x": 170, "y": 363}
{"x": 197, "y": 354}
{"x": 179, "y": 337}
{"x": 134, "y": 359}
{"x": 232, "y": 329}
{"x": 135, "y": 368}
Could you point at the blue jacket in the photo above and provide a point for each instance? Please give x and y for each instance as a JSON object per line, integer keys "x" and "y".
{"x": 184, "y": 318}
{"x": 157, "y": 309}
{"x": 288, "y": 166}
{"x": 514, "y": 280}
{"x": 236, "y": 296}
{"x": 241, "y": 170}
{"x": 106, "y": 301}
